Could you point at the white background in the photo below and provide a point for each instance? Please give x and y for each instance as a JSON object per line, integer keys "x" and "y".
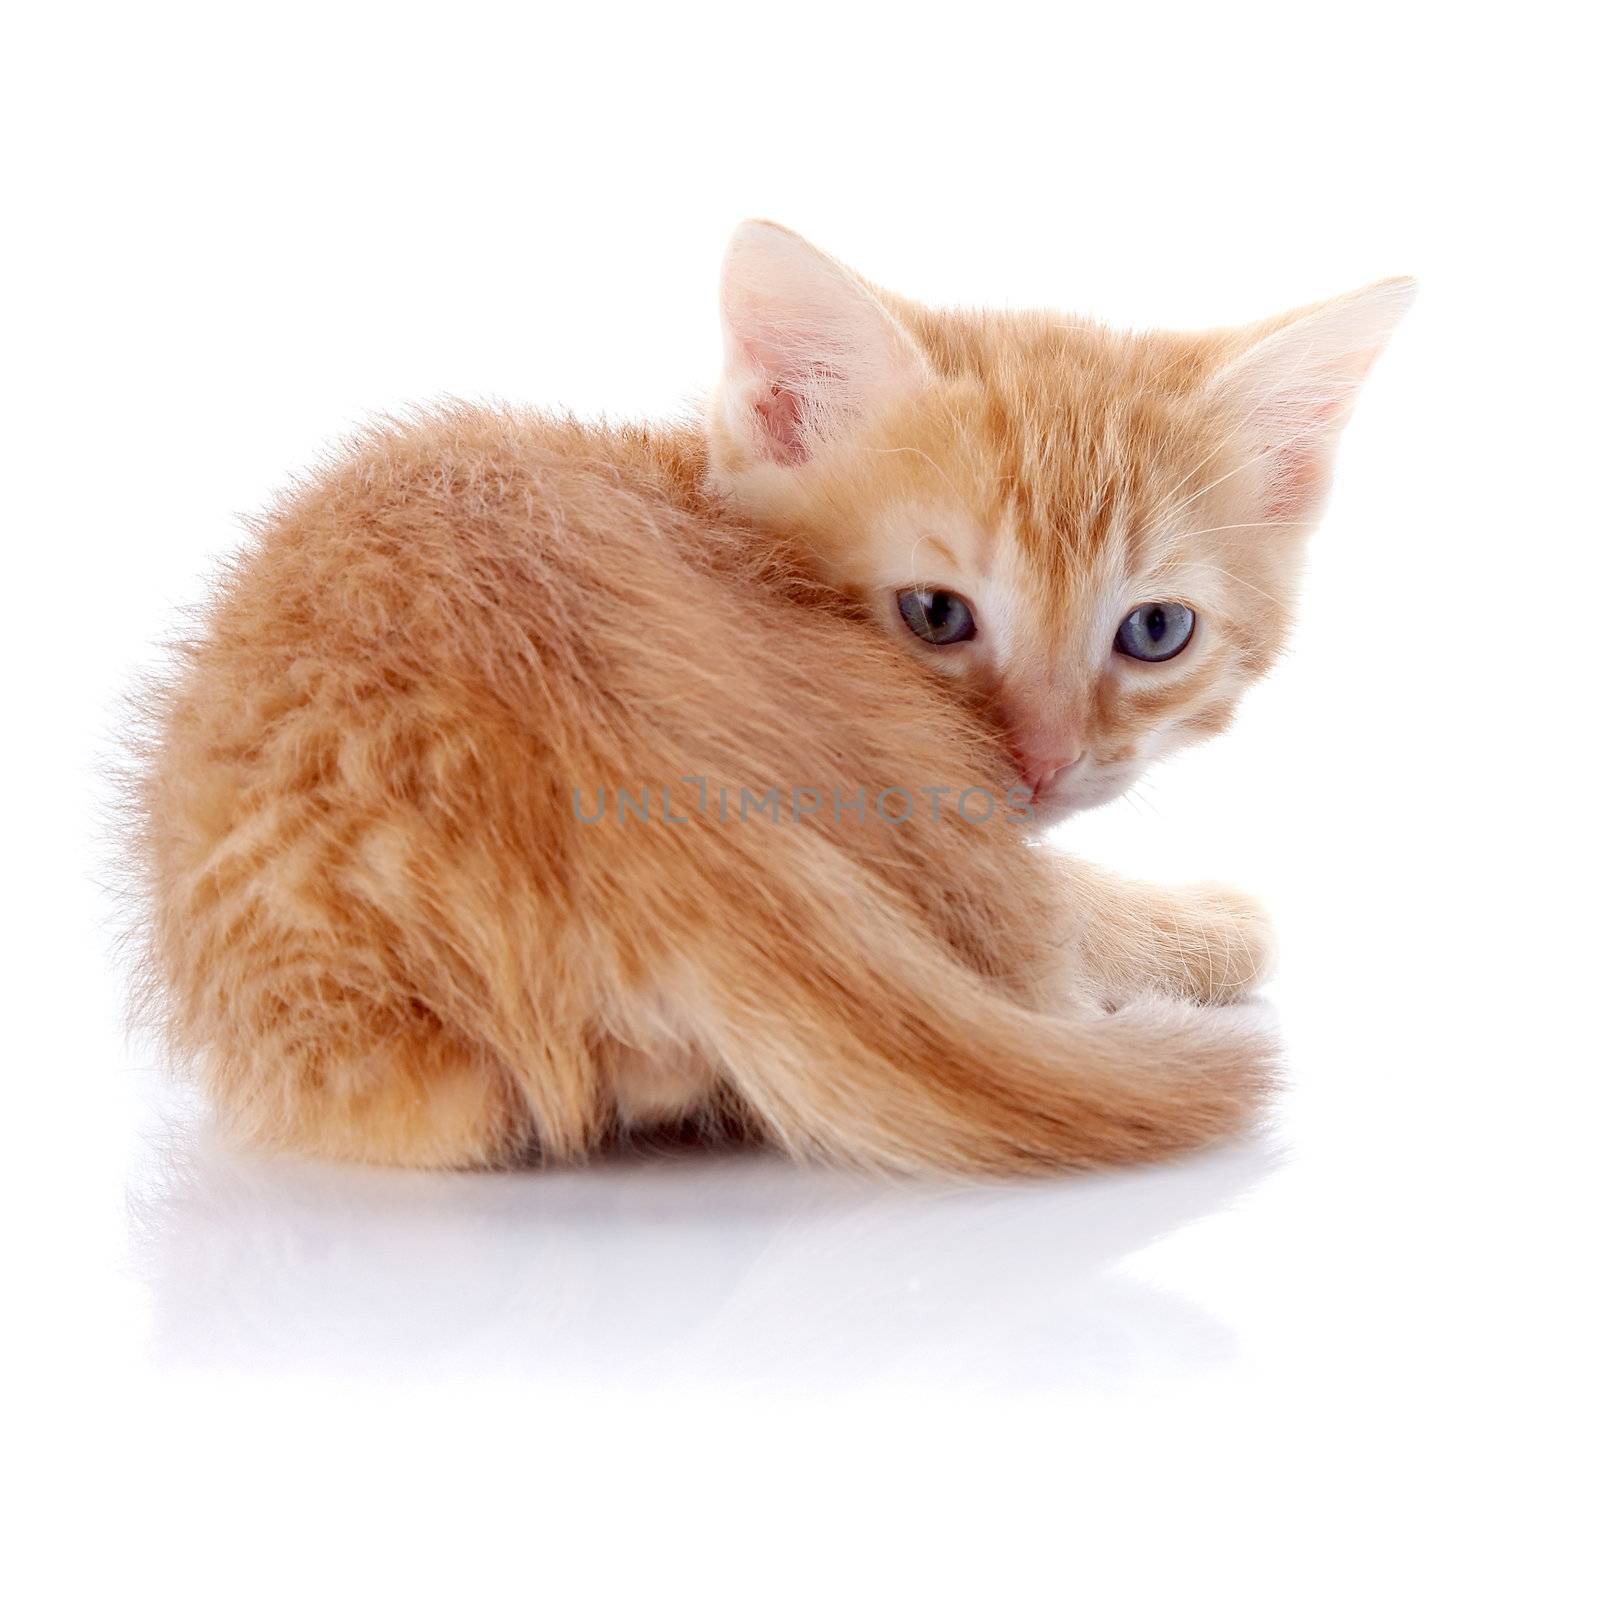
{"x": 1354, "y": 1357}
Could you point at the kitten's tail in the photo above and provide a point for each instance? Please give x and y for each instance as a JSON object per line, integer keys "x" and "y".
{"x": 893, "y": 1055}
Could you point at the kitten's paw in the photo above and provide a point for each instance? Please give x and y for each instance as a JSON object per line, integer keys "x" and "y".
{"x": 1220, "y": 942}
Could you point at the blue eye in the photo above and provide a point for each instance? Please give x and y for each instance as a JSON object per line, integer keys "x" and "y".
{"x": 937, "y": 615}
{"x": 1156, "y": 631}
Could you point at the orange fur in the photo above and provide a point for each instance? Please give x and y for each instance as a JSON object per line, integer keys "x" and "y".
{"x": 377, "y": 922}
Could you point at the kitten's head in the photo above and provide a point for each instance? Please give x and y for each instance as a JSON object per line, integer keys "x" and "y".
{"x": 1096, "y": 535}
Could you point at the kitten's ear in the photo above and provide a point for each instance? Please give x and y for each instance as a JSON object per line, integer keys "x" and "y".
{"x": 808, "y": 350}
{"x": 1292, "y": 390}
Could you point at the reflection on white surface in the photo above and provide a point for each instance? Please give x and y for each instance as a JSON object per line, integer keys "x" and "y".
{"x": 722, "y": 1267}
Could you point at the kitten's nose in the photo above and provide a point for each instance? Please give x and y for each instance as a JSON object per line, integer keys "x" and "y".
{"x": 1041, "y": 768}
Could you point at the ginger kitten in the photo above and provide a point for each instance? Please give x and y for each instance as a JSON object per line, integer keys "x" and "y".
{"x": 526, "y": 783}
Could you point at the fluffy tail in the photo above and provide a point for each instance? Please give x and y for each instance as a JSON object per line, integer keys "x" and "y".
{"x": 892, "y": 1054}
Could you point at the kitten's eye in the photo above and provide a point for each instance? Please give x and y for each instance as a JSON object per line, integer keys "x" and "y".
{"x": 937, "y": 615}
{"x": 1155, "y": 631}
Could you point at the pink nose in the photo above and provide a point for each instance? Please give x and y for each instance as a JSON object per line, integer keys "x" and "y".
{"x": 1040, "y": 769}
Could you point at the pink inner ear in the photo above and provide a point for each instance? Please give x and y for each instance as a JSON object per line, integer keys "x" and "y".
{"x": 782, "y": 427}
{"x": 1297, "y": 415}
{"x": 1299, "y": 427}
{"x": 1295, "y": 481}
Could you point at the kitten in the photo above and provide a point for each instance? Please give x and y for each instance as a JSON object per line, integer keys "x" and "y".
{"x": 445, "y": 824}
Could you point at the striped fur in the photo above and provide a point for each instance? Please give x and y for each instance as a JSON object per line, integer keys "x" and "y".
{"x": 377, "y": 924}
